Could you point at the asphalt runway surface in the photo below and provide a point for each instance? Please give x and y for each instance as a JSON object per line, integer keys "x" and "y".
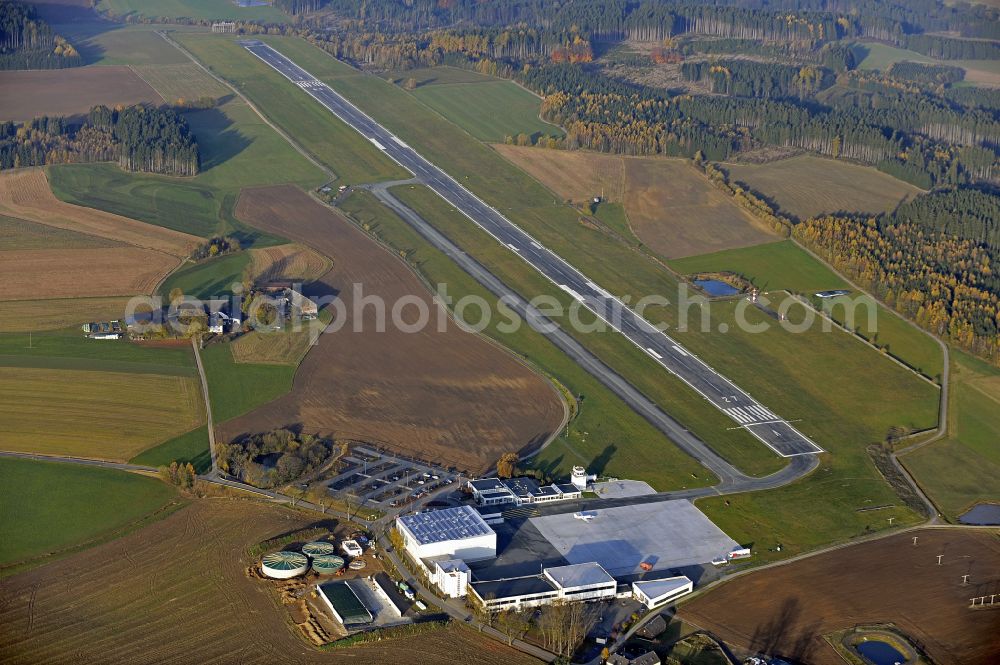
{"x": 773, "y": 430}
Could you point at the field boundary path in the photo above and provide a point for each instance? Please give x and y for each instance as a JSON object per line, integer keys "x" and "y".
{"x": 208, "y": 407}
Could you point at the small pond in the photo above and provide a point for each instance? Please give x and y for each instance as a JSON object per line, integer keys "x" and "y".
{"x": 982, "y": 514}
{"x": 715, "y": 287}
{"x": 880, "y": 653}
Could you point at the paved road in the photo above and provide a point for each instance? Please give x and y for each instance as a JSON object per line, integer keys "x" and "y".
{"x": 722, "y": 393}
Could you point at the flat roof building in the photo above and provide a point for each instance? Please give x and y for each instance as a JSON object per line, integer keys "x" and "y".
{"x": 653, "y": 593}
{"x": 520, "y": 491}
{"x": 583, "y": 581}
{"x": 457, "y": 533}
{"x": 344, "y": 603}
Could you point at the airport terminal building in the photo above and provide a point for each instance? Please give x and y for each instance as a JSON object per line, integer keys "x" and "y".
{"x": 519, "y": 491}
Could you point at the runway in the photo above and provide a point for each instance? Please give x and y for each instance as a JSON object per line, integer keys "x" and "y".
{"x": 771, "y": 429}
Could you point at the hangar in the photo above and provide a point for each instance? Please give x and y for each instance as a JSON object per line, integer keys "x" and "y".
{"x": 629, "y": 540}
{"x": 453, "y": 533}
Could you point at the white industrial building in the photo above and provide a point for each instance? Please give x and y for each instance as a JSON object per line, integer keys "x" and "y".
{"x": 653, "y": 593}
{"x": 579, "y": 582}
{"x": 519, "y": 491}
{"x": 451, "y": 576}
{"x": 452, "y": 533}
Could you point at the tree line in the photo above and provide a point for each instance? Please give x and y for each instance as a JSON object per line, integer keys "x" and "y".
{"x": 27, "y": 42}
{"x": 138, "y": 138}
{"x": 931, "y": 260}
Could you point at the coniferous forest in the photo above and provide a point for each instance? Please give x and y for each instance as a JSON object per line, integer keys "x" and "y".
{"x": 27, "y": 42}
{"x": 138, "y": 138}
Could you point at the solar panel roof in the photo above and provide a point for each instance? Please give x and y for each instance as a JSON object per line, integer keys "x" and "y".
{"x": 448, "y": 524}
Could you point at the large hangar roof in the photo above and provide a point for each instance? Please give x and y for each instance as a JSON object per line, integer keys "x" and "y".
{"x": 448, "y": 524}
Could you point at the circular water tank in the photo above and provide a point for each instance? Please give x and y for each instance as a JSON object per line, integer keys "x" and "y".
{"x": 357, "y": 564}
{"x": 283, "y": 565}
{"x": 327, "y": 564}
{"x": 318, "y": 548}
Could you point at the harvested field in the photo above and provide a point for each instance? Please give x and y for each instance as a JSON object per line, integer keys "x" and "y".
{"x": 28, "y": 94}
{"x": 574, "y": 175}
{"x": 185, "y": 81}
{"x": 786, "y": 610}
{"x": 45, "y": 411}
{"x": 806, "y": 186}
{"x": 671, "y": 207}
{"x": 290, "y": 262}
{"x": 21, "y": 234}
{"x": 69, "y": 273}
{"x": 448, "y": 396}
{"x": 188, "y": 571}
{"x": 25, "y": 315}
{"x": 276, "y": 348}
{"x": 677, "y": 212}
{"x": 25, "y": 194}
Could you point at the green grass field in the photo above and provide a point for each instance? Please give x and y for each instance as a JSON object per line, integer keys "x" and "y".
{"x": 777, "y": 265}
{"x": 604, "y": 426}
{"x": 67, "y": 348}
{"x": 236, "y": 388}
{"x": 189, "y": 447}
{"x": 784, "y": 265}
{"x": 237, "y": 150}
{"x": 442, "y": 75}
{"x": 212, "y": 278}
{"x": 965, "y": 467}
{"x": 200, "y": 10}
{"x": 346, "y": 152}
{"x": 50, "y": 507}
{"x": 104, "y": 43}
{"x": 489, "y": 111}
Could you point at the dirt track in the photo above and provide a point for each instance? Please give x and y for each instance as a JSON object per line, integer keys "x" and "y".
{"x": 176, "y": 592}
{"x": 787, "y": 609}
{"x": 449, "y": 396}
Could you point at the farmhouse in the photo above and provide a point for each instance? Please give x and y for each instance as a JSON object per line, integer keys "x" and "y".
{"x": 578, "y": 582}
{"x": 519, "y": 491}
{"x": 455, "y": 533}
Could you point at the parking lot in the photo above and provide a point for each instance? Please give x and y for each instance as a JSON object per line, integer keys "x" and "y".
{"x": 382, "y": 480}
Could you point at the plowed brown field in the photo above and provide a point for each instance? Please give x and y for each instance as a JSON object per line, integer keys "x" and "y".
{"x": 448, "y": 396}
{"x": 787, "y": 609}
{"x": 25, "y": 194}
{"x": 28, "y": 94}
{"x": 68, "y": 273}
{"x": 177, "y": 592}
